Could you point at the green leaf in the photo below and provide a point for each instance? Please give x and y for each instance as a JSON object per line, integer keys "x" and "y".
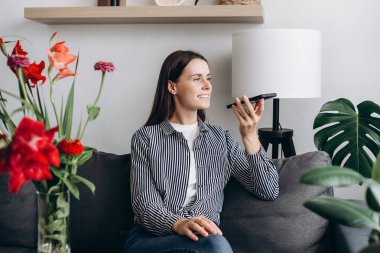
{"x": 72, "y": 188}
{"x": 345, "y": 132}
{"x": 54, "y": 189}
{"x": 373, "y": 197}
{"x": 47, "y": 121}
{"x": 55, "y": 225}
{"x": 6, "y": 119}
{"x": 93, "y": 112}
{"x": 58, "y": 237}
{"x": 376, "y": 169}
{"x": 375, "y": 248}
{"x": 87, "y": 153}
{"x": 63, "y": 206}
{"x": 344, "y": 212}
{"x": 69, "y": 110}
{"x": 86, "y": 182}
{"x": 79, "y": 130}
{"x": 332, "y": 176}
{"x": 58, "y": 172}
{"x": 32, "y": 107}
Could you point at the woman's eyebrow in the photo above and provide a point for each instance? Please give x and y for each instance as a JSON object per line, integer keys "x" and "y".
{"x": 198, "y": 74}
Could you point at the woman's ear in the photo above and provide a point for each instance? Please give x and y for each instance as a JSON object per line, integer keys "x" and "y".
{"x": 172, "y": 87}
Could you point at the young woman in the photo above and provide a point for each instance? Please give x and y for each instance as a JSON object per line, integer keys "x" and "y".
{"x": 180, "y": 164}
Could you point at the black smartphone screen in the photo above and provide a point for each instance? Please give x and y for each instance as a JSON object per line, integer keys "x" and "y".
{"x": 255, "y": 98}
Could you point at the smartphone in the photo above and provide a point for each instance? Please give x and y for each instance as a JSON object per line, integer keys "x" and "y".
{"x": 255, "y": 98}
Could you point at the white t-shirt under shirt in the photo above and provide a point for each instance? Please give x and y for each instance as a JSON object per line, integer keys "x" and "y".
{"x": 190, "y": 132}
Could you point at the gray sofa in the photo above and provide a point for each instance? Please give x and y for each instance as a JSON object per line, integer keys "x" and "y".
{"x": 101, "y": 223}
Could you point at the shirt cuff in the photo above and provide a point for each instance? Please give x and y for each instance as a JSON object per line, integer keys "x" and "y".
{"x": 259, "y": 157}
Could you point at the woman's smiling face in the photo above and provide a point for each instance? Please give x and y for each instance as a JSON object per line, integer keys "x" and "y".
{"x": 192, "y": 91}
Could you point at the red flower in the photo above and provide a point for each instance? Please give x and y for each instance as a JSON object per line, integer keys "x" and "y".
{"x": 2, "y": 47}
{"x": 17, "y": 50}
{"x": 64, "y": 73}
{"x": 60, "y": 47}
{"x": 33, "y": 73}
{"x": 31, "y": 153}
{"x": 71, "y": 146}
{"x": 104, "y": 66}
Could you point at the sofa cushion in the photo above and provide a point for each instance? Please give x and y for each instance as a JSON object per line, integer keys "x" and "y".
{"x": 100, "y": 222}
{"x": 283, "y": 225}
{"x": 18, "y": 217}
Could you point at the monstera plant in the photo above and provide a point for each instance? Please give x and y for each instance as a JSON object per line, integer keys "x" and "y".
{"x": 351, "y": 137}
{"x": 347, "y": 132}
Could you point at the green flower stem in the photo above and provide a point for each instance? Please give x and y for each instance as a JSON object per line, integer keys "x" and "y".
{"x": 101, "y": 88}
{"x": 52, "y": 100}
{"x": 96, "y": 101}
{"x": 20, "y": 76}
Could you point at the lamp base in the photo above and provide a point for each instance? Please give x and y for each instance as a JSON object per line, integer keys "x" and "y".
{"x": 275, "y": 137}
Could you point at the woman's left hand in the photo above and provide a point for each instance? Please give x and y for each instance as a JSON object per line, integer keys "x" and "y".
{"x": 249, "y": 117}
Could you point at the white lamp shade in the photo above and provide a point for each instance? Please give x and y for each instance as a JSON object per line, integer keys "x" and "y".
{"x": 282, "y": 61}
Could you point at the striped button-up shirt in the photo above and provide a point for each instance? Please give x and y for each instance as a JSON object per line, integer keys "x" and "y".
{"x": 160, "y": 170}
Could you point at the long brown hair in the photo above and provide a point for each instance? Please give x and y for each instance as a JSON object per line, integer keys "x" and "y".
{"x": 171, "y": 69}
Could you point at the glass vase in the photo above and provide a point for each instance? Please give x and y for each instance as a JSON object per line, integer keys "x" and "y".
{"x": 53, "y": 222}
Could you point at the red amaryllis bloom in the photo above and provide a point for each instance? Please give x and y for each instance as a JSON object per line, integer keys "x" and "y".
{"x": 71, "y": 146}
{"x": 15, "y": 61}
{"x": 17, "y": 50}
{"x": 31, "y": 154}
{"x": 33, "y": 73}
{"x": 104, "y": 66}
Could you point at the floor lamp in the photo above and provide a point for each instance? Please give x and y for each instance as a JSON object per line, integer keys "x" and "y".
{"x": 282, "y": 61}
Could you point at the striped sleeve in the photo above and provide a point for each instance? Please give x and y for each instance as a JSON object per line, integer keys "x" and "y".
{"x": 256, "y": 173}
{"x": 148, "y": 207}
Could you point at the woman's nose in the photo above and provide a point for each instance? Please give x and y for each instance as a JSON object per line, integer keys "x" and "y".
{"x": 207, "y": 84}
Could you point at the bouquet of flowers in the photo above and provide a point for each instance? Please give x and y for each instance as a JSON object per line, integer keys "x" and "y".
{"x": 35, "y": 151}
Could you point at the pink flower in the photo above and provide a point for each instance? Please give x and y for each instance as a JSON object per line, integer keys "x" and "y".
{"x": 18, "y": 60}
{"x": 104, "y": 66}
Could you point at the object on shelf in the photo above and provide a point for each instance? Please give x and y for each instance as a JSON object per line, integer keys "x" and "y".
{"x": 169, "y": 2}
{"x": 240, "y": 2}
{"x": 111, "y": 2}
{"x": 104, "y": 2}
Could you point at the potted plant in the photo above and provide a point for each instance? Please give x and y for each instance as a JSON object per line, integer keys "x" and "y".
{"x": 351, "y": 136}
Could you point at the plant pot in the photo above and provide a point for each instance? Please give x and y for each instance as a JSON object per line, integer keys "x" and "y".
{"x": 53, "y": 222}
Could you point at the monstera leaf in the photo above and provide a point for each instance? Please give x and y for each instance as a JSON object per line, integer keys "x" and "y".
{"x": 345, "y": 131}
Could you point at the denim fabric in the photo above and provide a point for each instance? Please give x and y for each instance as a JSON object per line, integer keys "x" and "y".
{"x": 141, "y": 241}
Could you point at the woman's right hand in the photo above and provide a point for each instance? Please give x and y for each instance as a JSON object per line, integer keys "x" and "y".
{"x": 200, "y": 225}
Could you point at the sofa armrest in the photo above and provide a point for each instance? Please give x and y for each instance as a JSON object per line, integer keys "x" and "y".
{"x": 350, "y": 240}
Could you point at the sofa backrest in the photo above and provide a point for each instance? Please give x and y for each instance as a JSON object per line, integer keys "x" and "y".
{"x": 101, "y": 222}
{"x": 283, "y": 225}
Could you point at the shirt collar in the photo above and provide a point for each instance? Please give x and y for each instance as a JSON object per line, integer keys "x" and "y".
{"x": 169, "y": 129}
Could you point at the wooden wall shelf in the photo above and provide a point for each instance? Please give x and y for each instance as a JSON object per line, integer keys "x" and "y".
{"x": 147, "y": 14}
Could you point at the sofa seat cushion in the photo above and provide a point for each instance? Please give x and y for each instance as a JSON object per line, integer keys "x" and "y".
{"x": 283, "y": 225}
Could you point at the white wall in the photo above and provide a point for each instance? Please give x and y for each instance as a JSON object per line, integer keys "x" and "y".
{"x": 350, "y": 62}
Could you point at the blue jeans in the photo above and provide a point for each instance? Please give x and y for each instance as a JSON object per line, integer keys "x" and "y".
{"x": 140, "y": 241}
